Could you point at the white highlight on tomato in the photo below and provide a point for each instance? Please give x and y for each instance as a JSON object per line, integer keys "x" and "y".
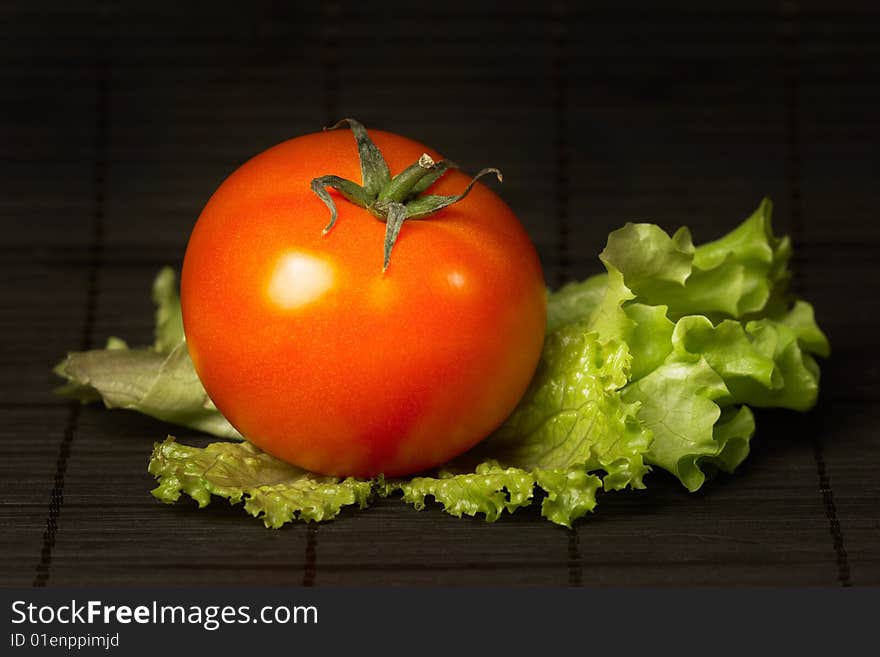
{"x": 456, "y": 279}
{"x": 299, "y": 279}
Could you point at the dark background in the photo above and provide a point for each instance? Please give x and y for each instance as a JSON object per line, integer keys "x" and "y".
{"x": 119, "y": 120}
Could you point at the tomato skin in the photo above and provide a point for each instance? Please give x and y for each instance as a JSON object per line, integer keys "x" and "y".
{"x": 321, "y": 359}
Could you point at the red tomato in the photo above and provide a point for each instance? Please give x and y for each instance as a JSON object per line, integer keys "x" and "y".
{"x": 323, "y": 360}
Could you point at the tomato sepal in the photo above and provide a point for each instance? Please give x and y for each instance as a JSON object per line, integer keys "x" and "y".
{"x": 395, "y": 199}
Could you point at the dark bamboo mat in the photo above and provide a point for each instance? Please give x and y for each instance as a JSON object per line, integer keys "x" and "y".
{"x": 119, "y": 120}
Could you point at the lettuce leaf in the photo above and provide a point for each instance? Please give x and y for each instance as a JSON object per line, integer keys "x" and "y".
{"x": 272, "y": 490}
{"x": 165, "y": 387}
{"x": 491, "y": 489}
{"x": 159, "y": 381}
{"x": 656, "y": 362}
{"x": 572, "y": 413}
{"x": 708, "y": 327}
{"x": 570, "y": 435}
{"x": 678, "y": 403}
{"x": 169, "y": 318}
{"x": 575, "y": 301}
{"x": 734, "y": 276}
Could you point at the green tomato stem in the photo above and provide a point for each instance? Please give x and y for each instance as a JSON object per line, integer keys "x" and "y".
{"x": 402, "y": 184}
{"x": 390, "y": 199}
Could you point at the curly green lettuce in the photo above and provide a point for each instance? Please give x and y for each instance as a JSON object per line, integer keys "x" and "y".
{"x": 570, "y": 435}
{"x": 272, "y": 490}
{"x": 710, "y": 328}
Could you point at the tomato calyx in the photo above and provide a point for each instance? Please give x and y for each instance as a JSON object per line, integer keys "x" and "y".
{"x": 395, "y": 199}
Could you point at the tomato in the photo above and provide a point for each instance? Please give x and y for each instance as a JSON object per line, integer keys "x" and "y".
{"x": 323, "y": 359}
